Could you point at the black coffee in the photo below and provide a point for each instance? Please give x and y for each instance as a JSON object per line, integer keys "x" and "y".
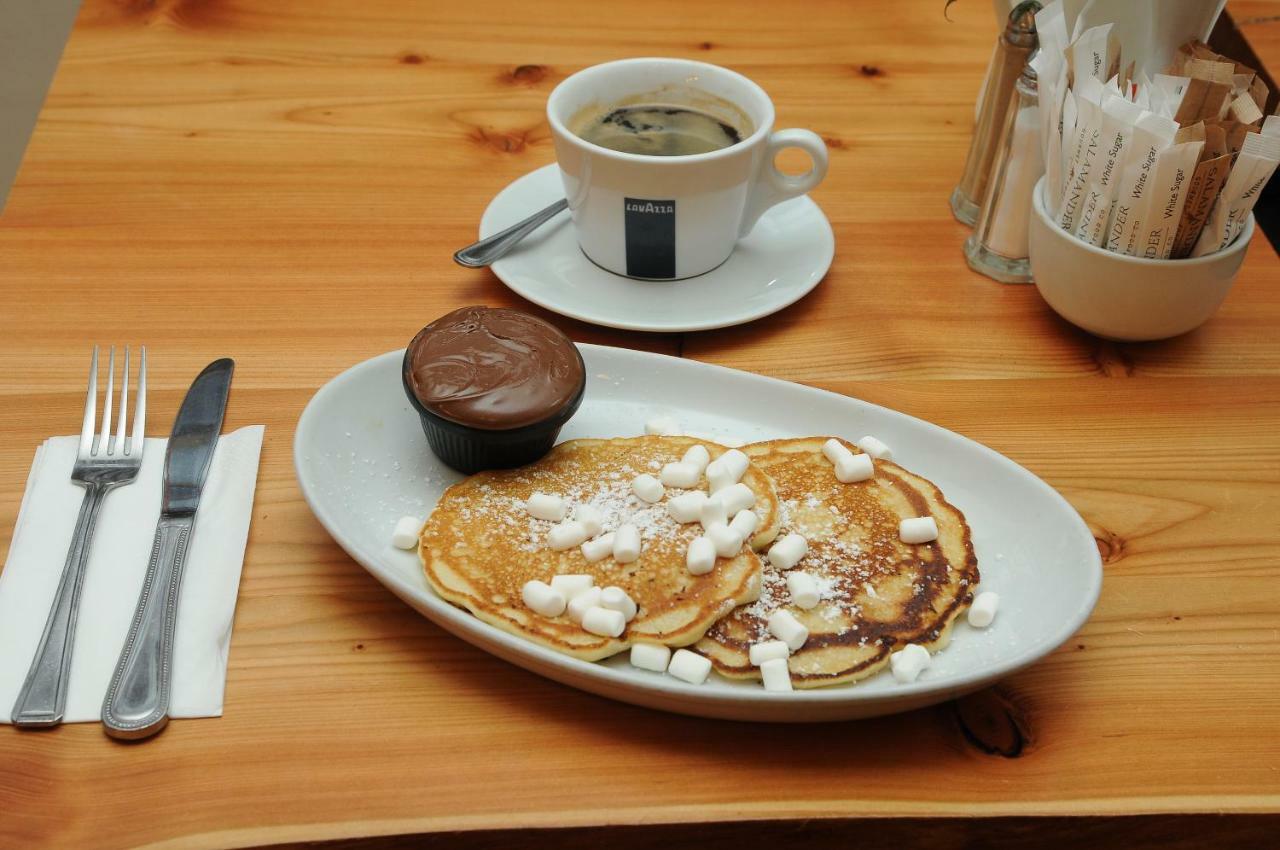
{"x": 657, "y": 130}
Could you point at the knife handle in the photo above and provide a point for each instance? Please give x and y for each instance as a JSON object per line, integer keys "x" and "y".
{"x": 137, "y": 702}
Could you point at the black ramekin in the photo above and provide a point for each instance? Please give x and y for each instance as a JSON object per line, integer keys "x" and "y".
{"x": 469, "y": 449}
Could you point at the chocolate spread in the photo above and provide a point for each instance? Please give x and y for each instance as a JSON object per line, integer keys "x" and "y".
{"x": 493, "y": 368}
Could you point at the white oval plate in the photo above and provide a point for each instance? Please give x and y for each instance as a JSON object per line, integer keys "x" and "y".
{"x": 784, "y": 257}
{"x": 363, "y": 462}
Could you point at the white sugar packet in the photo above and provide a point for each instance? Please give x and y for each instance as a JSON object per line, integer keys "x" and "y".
{"x": 1257, "y": 161}
{"x": 1119, "y": 117}
{"x": 1174, "y": 168}
{"x": 1084, "y": 150}
{"x": 1152, "y": 133}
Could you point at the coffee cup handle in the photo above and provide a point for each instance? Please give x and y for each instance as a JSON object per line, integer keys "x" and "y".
{"x": 774, "y": 187}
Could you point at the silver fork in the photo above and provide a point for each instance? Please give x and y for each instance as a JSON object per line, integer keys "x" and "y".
{"x": 103, "y": 462}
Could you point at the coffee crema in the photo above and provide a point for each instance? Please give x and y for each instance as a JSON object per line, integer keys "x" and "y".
{"x": 656, "y": 130}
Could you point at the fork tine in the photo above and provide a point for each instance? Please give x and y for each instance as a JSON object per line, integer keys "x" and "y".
{"x": 140, "y": 407}
{"x": 105, "y": 442}
{"x": 90, "y": 406}
{"x": 118, "y": 439}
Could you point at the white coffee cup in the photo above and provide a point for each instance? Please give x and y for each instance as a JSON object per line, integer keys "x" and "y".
{"x": 672, "y": 217}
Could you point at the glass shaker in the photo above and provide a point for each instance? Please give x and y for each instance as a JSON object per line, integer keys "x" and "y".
{"x": 1012, "y": 50}
{"x": 998, "y": 246}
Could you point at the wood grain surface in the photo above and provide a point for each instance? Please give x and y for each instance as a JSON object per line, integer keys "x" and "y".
{"x": 283, "y": 182}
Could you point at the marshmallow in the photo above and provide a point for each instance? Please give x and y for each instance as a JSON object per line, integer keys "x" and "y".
{"x": 713, "y": 512}
{"x": 682, "y": 475}
{"x": 735, "y": 463}
{"x": 736, "y": 497}
{"x": 697, "y": 456}
{"x": 875, "y": 448}
{"x": 664, "y": 426}
{"x": 686, "y": 507}
{"x": 570, "y": 586}
{"x": 543, "y": 506}
{"x": 617, "y": 599}
{"x": 718, "y": 477}
{"x": 542, "y": 598}
{"x": 583, "y": 602}
{"x": 785, "y": 627}
{"x": 650, "y": 656}
{"x": 727, "y": 541}
{"x": 908, "y": 662}
{"x": 854, "y": 468}
{"x": 591, "y": 518}
{"x": 833, "y": 450}
{"x": 700, "y": 557}
{"x": 566, "y": 535}
{"x": 405, "y": 535}
{"x": 745, "y": 522}
{"x": 605, "y": 622}
{"x": 803, "y": 590}
{"x": 689, "y": 667}
{"x": 767, "y": 651}
{"x": 599, "y": 548}
{"x": 647, "y": 488}
{"x": 921, "y": 529}
{"x": 983, "y": 609}
{"x": 788, "y": 551}
{"x": 626, "y": 544}
{"x": 776, "y": 675}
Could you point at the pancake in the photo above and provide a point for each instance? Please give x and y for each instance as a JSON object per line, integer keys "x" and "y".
{"x": 878, "y": 593}
{"x": 480, "y": 546}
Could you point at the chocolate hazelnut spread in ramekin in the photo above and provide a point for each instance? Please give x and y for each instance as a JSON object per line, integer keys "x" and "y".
{"x": 493, "y": 386}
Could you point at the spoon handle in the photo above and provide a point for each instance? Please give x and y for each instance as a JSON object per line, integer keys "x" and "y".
{"x": 492, "y": 248}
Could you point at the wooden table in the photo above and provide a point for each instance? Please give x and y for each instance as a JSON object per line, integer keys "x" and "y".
{"x": 283, "y": 182}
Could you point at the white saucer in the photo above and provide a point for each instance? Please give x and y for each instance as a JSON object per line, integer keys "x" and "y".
{"x": 783, "y": 258}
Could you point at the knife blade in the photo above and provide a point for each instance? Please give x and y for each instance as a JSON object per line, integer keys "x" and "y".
{"x": 137, "y": 700}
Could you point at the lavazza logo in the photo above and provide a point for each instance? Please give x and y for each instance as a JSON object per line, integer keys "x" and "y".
{"x": 650, "y": 207}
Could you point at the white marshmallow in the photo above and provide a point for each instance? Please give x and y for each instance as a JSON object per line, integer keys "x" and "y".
{"x": 647, "y": 488}
{"x": 745, "y": 522}
{"x": 854, "y": 468}
{"x": 718, "y": 477}
{"x": 700, "y": 557}
{"x": 689, "y": 667}
{"x": 713, "y": 512}
{"x": 983, "y": 609}
{"x": 605, "y": 622}
{"x": 833, "y": 450}
{"x": 599, "y": 548}
{"x": 767, "y": 651}
{"x": 908, "y": 662}
{"x": 682, "y": 475}
{"x": 735, "y": 463}
{"x": 803, "y": 590}
{"x": 583, "y": 602}
{"x": 650, "y": 656}
{"x": 571, "y": 585}
{"x": 405, "y": 535}
{"x": 737, "y": 497}
{"x": 697, "y": 456}
{"x": 626, "y": 543}
{"x": 618, "y": 600}
{"x": 545, "y": 506}
{"x": 542, "y": 598}
{"x": 591, "y": 518}
{"x": 776, "y": 675}
{"x": 788, "y": 551}
{"x": 785, "y": 627}
{"x": 875, "y": 448}
{"x": 728, "y": 542}
{"x": 566, "y": 535}
{"x": 921, "y": 529}
{"x": 664, "y": 426}
{"x": 686, "y": 507}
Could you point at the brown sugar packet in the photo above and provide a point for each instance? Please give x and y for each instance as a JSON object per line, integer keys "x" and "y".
{"x": 1206, "y": 182}
{"x": 1234, "y": 130}
{"x": 1207, "y": 92}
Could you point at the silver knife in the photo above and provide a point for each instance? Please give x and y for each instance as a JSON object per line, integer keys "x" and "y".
{"x": 137, "y": 701}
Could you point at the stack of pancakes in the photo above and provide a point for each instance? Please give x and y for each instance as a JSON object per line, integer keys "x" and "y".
{"x": 480, "y": 546}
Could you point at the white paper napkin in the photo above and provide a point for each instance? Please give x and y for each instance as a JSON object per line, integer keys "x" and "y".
{"x": 114, "y": 574}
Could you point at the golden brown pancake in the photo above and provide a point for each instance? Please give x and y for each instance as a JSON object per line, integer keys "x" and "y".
{"x": 480, "y": 546}
{"x": 879, "y": 593}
